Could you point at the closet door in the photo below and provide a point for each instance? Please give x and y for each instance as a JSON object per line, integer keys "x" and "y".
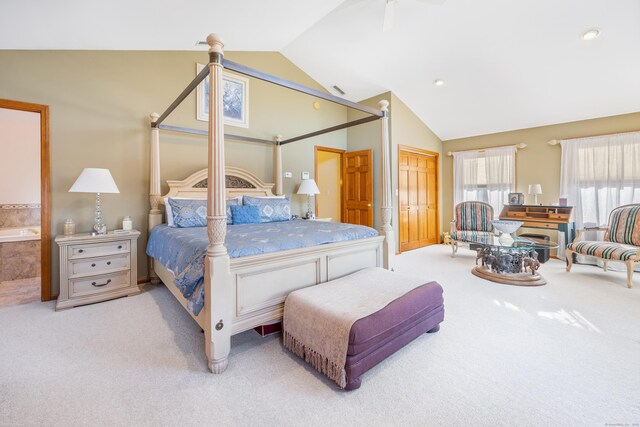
{"x": 418, "y": 198}
{"x": 358, "y": 188}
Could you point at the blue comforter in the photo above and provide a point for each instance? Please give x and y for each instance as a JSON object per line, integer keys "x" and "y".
{"x": 183, "y": 250}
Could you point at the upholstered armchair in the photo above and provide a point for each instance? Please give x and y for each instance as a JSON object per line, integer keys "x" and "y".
{"x": 621, "y": 240}
{"x": 470, "y": 219}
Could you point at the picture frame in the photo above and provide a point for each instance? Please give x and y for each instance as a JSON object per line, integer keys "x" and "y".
{"x": 235, "y": 99}
{"x": 516, "y": 198}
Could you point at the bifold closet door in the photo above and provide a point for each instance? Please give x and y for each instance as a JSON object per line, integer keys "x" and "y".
{"x": 418, "y": 199}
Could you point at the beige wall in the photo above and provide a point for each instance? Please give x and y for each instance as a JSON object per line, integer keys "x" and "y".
{"x": 405, "y": 128}
{"x": 100, "y": 102}
{"x": 539, "y": 163}
{"x": 328, "y": 180}
{"x": 20, "y": 157}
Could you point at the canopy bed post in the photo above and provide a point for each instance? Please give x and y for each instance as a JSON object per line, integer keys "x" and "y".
{"x": 277, "y": 170}
{"x": 389, "y": 244}
{"x": 155, "y": 214}
{"x": 218, "y": 284}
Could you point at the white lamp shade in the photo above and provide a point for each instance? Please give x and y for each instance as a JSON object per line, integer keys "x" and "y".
{"x": 535, "y": 189}
{"x": 308, "y": 186}
{"x": 94, "y": 180}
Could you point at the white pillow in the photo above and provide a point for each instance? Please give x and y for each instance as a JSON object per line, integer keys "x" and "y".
{"x": 270, "y": 197}
{"x": 169, "y": 212}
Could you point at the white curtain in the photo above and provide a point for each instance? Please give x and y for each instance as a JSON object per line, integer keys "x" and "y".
{"x": 484, "y": 175}
{"x": 597, "y": 175}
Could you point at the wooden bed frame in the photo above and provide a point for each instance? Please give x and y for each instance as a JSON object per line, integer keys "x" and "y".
{"x": 246, "y": 292}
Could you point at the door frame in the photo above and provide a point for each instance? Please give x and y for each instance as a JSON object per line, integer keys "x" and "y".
{"x": 423, "y": 152}
{"x": 317, "y": 148}
{"x": 45, "y": 191}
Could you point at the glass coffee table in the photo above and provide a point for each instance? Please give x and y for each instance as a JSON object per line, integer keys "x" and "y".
{"x": 509, "y": 260}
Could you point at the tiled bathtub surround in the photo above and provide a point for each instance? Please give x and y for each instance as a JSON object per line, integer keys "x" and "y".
{"x": 19, "y": 215}
{"x": 19, "y": 260}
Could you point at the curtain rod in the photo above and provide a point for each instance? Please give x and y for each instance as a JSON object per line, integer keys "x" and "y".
{"x": 521, "y": 146}
{"x": 557, "y": 141}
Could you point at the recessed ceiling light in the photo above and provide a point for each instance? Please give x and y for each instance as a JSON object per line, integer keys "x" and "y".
{"x": 438, "y": 82}
{"x": 591, "y": 34}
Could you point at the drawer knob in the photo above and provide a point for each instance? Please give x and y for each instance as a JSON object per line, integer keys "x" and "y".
{"x": 108, "y": 262}
{"x": 93, "y": 265}
{"x": 119, "y": 246}
{"x": 103, "y": 284}
{"x": 80, "y": 251}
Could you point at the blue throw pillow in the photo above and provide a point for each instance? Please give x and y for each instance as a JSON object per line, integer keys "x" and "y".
{"x": 232, "y": 202}
{"x": 271, "y": 210}
{"x": 189, "y": 212}
{"x": 245, "y": 214}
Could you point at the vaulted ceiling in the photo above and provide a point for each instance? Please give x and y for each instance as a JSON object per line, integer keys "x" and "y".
{"x": 505, "y": 64}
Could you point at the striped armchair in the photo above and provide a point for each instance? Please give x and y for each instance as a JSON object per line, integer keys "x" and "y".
{"x": 621, "y": 240}
{"x": 470, "y": 219}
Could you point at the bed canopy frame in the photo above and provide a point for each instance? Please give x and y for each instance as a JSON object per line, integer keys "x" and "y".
{"x": 218, "y": 281}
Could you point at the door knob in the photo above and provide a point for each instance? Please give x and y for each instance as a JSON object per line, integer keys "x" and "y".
{"x": 369, "y": 205}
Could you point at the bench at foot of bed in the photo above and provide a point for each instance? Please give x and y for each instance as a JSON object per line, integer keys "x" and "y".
{"x": 347, "y": 326}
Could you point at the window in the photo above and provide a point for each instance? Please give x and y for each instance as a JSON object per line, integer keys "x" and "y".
{"x": 599, "y": 174}
{"x": 484, "y": 175}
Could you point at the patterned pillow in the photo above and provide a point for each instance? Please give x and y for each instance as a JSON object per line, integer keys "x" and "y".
{"x": 232, "y": 202}
{"x": 271, "y": 210}
{"x": 189, "y": 212}
{"x": 245, "y": 214}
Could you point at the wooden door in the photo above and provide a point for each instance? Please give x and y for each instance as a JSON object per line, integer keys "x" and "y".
{"x": 418, "y": 199}
{"x": 357, "y": 174}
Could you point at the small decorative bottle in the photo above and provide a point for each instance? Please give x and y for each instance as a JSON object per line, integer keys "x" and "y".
{"x": 127, "y": 223}
{"x": 69, "y": 227}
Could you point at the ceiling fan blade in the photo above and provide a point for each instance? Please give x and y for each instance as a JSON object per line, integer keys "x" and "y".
{"x": 387, "y": 24}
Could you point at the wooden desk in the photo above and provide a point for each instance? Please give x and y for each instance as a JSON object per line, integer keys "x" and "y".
{"x": 543, "y": 217}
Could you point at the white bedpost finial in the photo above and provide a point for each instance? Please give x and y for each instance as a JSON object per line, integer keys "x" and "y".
{"x": 277, "y": 168}
{"x": 215, "y": 43}
{"x": 386, "y": 209}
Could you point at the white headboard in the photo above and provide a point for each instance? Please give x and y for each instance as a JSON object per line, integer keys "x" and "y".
{"x": 239, "y": 182}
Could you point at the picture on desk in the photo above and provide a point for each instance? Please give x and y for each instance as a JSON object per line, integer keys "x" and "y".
{"x": 516, "y": 198}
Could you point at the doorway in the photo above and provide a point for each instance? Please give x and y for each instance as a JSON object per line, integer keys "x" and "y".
{"x": 25, "y": 247}
{"x": 328, "y": 175}
{"x": 418, "y": 198}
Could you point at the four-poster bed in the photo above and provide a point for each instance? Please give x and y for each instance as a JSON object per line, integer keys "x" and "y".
{"x": 242, "y": 293}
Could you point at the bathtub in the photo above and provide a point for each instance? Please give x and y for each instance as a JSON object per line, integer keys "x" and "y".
{"x": 19, "y": 234}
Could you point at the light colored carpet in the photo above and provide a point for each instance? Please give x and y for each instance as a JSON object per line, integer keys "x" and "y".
{"x": 563, "y": 354}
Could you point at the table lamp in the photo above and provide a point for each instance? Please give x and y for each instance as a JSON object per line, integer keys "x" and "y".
{"x": 308, "y": 187}
{"x": 535, "y": 189}
{"x": 94, "y": 180}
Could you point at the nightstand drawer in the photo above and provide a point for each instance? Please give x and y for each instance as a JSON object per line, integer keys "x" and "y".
{"x": 102, "y": 265}
{"x": 98, "y": 249}
{"x": 98, "y": 284}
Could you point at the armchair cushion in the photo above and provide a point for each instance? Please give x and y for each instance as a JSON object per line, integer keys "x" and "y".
{"x": 479, "y": 236}
{"x": 476, "y": 216}
{"x": 624, "y": 225}
{"x": 604, "y": 250}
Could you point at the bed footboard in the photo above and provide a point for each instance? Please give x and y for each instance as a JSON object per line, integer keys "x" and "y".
{"x": 254, "y": 292}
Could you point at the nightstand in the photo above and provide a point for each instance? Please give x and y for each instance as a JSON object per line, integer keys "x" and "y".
{"x": 97, "y": 268}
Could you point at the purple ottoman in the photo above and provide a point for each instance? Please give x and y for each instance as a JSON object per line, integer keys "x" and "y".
{"x": 382, "y": 333}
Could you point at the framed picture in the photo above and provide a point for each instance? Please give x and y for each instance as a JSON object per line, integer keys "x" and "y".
{"x": 235, "y": 99}
{"x": 516, "y": 198}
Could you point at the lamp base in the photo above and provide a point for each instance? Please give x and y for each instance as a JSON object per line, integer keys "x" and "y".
{"x": 99, "y": 227}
